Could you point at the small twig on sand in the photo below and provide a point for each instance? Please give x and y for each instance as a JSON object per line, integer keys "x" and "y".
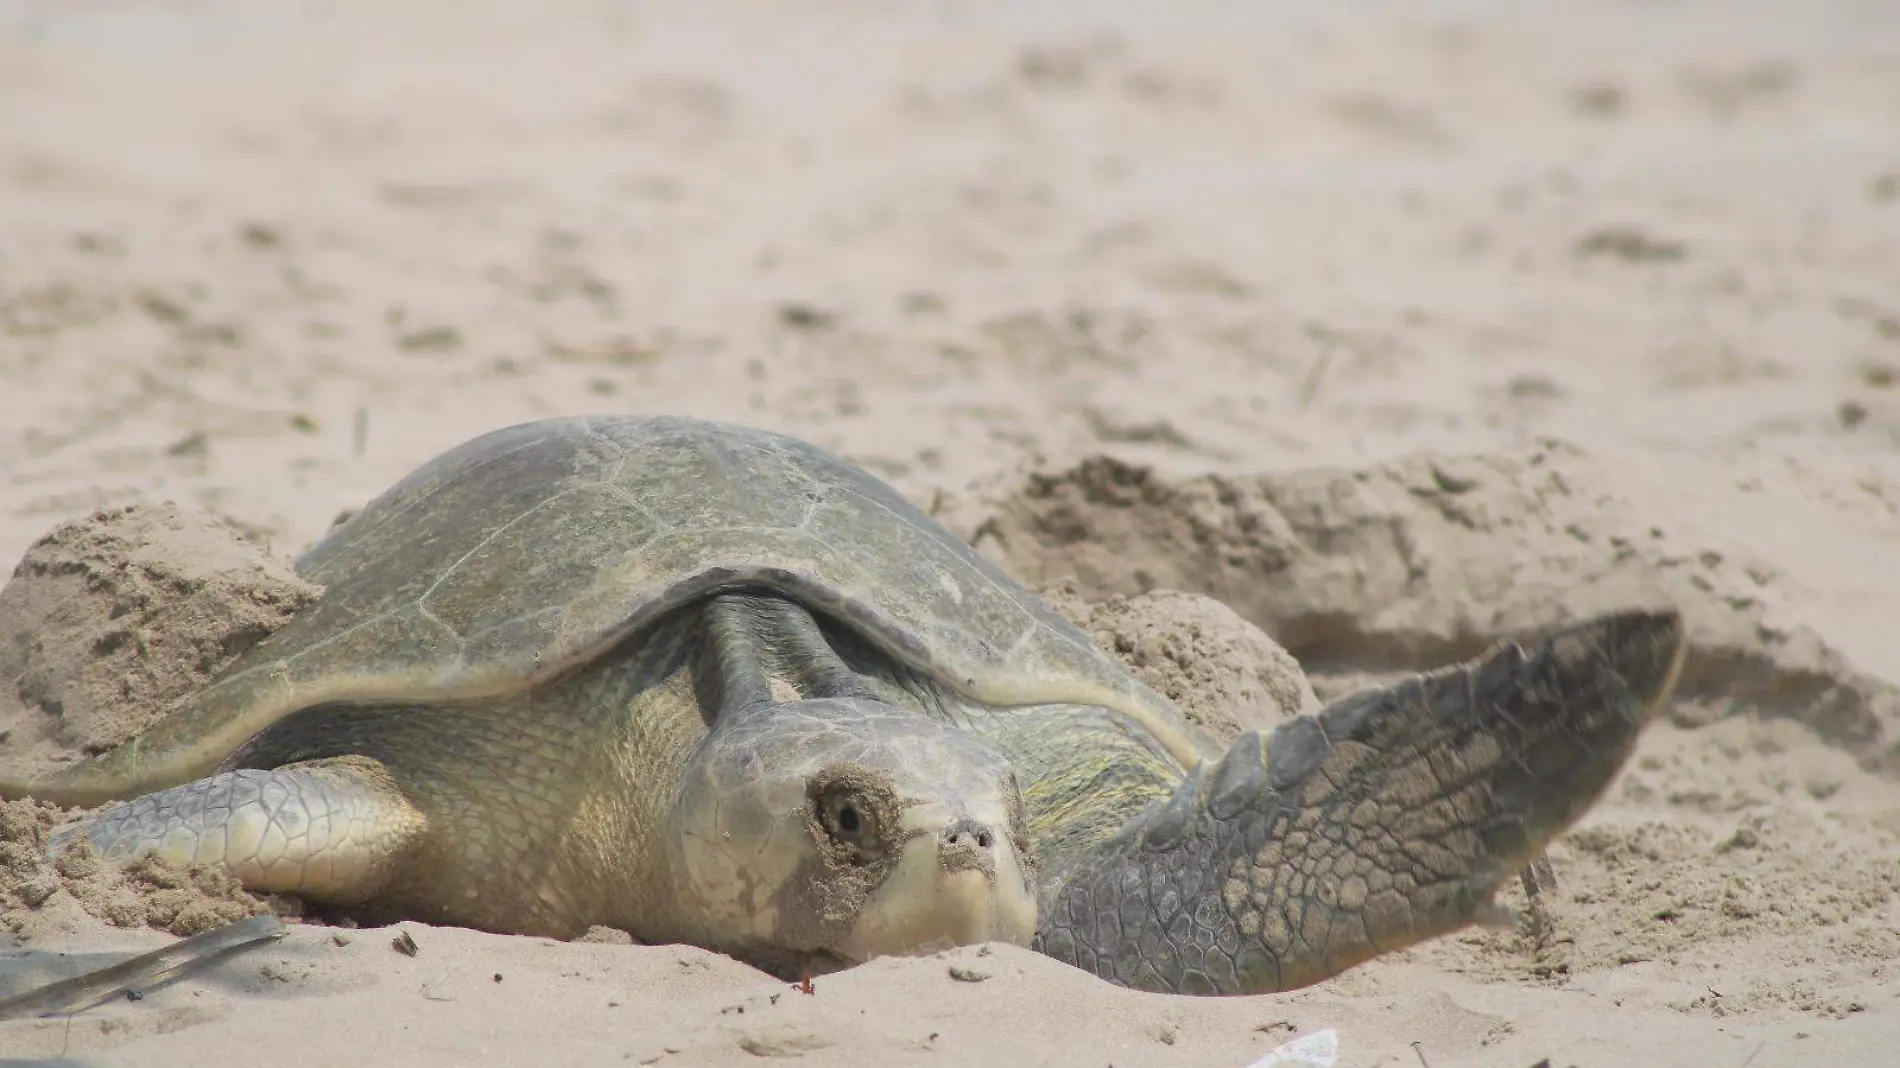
{"x": 146, "y": 969}
{"x": 1309, "y": 386}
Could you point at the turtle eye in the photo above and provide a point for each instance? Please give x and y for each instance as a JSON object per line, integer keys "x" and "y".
{"x": 848, "y": 821}
{"x": 845, "y": 817}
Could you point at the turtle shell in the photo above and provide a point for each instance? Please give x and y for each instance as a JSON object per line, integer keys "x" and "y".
{"x": 521, "y": 553}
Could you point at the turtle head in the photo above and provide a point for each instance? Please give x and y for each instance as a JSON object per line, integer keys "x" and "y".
{"x": 848, "y": 828}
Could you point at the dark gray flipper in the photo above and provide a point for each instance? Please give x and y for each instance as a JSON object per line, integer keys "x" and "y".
{"x": 1390, "y": 817}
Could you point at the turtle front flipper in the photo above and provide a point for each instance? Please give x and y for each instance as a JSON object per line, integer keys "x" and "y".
{"x": 1390, "y": 817}
{"x": 328, "y": 830}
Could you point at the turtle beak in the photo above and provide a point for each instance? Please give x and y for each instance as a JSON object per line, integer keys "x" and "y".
{"x": 959, "y": 881}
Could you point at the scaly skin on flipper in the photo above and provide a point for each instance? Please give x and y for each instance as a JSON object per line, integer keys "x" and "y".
{"x": 1390, "y": 817}
{"x": 332, "y": 830}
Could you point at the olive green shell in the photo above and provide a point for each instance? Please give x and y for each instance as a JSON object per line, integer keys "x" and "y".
{"x": 517, "y": 555}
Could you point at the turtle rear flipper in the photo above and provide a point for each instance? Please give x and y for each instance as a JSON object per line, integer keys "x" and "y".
{"x": 1390, "y": 817}
{"x": 329, "y": 830}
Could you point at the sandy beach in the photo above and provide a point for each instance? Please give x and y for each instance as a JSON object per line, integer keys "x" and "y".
{"x": 1395, "y": 329}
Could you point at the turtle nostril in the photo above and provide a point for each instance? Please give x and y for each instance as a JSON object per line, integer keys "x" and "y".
{"x": 967, "y": 832}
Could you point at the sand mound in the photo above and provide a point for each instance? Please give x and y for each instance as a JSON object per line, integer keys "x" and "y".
{"x": 107, "y": 622}
{"x": 1226, "y": 675}
{"x": 1429, "y": 559}
{"x": 110, "y": 619}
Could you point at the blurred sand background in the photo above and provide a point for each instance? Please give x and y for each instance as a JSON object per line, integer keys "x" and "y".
{"x": 1393, "y": 326}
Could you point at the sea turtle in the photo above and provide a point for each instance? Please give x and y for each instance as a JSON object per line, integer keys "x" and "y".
{"x": 717, "y": 686}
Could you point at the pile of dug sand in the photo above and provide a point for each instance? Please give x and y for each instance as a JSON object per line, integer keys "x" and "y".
{"x": 1223, "y": 672}
{"x": 110, "y": 619}
{"x": 106, "y": 623}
